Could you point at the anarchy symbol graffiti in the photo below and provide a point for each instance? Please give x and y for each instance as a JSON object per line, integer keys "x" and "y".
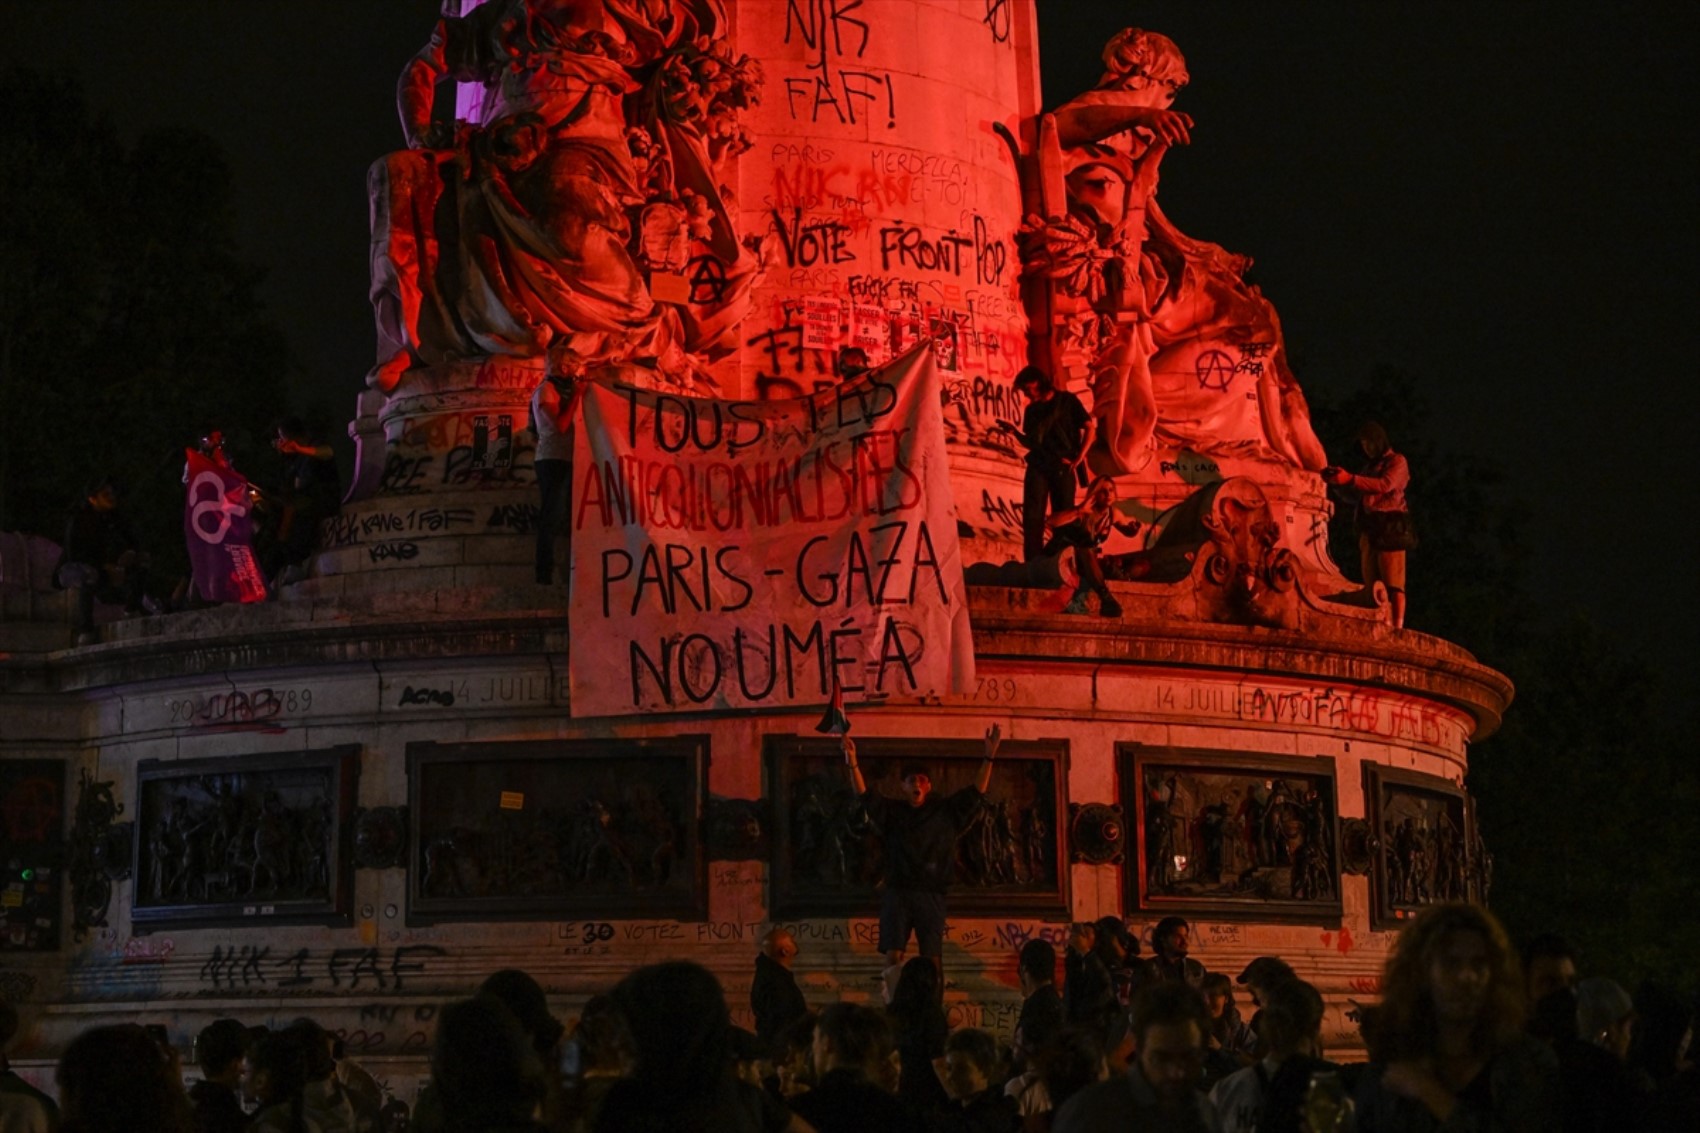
{"x": 1215, "y": 370}
{"x": 707, "y": 280}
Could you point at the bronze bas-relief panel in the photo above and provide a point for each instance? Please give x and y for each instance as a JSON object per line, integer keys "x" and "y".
{"x": 556, "y": 829}
{"x": 1232, "y": 835}
{"x": 1423, "y": 833}
{"x": 245, "y": 838}
{"x": 827, "y": 854}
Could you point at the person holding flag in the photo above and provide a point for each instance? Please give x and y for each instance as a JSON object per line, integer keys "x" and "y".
{"x": 918, "y": 833}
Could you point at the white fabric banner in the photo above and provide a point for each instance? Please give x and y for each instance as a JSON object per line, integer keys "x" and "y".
{"x": 739, "y": 554}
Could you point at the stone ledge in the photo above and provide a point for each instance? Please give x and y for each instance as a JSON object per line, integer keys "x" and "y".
{"x": 503, "y": 621}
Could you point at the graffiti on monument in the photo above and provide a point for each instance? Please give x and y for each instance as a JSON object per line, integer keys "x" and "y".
{"x": 1422, "y": 831}
{"x": 242, "y": 838}
{"x": 1225, "y": 834}
{"x": 827, "y": 855}
{"x": 32, "y": 852}
{"x": 548, "y": 830}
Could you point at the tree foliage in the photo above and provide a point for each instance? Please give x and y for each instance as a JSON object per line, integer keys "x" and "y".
{"x": 1585, "y": 795}
{"x": 128, "y": 320}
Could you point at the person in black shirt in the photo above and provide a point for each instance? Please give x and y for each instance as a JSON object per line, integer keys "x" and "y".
{"x": 1056, "y": 431}
{"x": 775, "y": 1000}
{"x": 852, "y": 1045}
{"x": 918, "y": 833}
{"x": 102, "y": 559}
{"x": 312, "y": 493}
{"x": 220, "y": 1050}
{"x": 1042, "y": 1010}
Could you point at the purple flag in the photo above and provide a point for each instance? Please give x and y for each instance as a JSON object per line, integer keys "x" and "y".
{"x": 220, "y": 533}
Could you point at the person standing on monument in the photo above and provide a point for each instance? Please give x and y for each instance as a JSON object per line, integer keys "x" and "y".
{"x": 918, "y": 833}
{"x": 551, "y": 420}
{"x": 1056, "y": 431}
{"x": 1384, "y": 523}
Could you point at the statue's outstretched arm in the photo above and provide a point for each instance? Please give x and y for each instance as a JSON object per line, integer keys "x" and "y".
{"x": 1097, "y": 115}
{"x": 416, "y": 91}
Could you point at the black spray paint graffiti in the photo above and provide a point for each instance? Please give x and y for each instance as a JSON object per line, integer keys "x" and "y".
{"x": 345, "y": 968}
{"x": 441, "y": 697}
{"x": 1000, "y": 18}
{"x": 832, "y": 33}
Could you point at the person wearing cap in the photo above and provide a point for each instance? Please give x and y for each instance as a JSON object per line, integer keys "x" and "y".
{"x": 1260, "y": 977}
{"x": 1601, "y": 1091}
{"x": 1266, "y": 1095}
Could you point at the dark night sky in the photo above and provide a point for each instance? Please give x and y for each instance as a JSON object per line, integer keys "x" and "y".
{"x": 1497, "y": 197}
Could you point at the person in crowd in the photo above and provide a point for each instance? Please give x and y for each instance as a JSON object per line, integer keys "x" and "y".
{"x": 968, "y": 1070}
{"x": 775, "y": 999}
{"x": 918, "y": 833}
{"x": 485, "y": 1070}
{"x": 102, "y": 559}
{"x": 1171, "y": 940}
{"x": 523, "y": 996}
{"x": 221, "y": 1051}
{"x": 1267, "y": 1096}
{"x": 1159, "y": 1090}
{"x": 326, "y": 1104}
{"x": 681, "y": 1079}
{"x": 23, "y": 1108}
{"x": 117, "y": 1079}
{"x": 1231, "y": 1043}
{"x": 277, "y": 1080}
{"x": 1384, "y": 522}
{"x": 1085, "y": 528}
{"x": 1088, "y": 993}
{"x": 1056, "y": 430}
{"x": 598, "y": 1054}
{"x": 749, "y": 1057}
{"x": 918, "y": 1031}
{"x": 1041, "y": 1007}
{"x": 1119, "y": 949}
{"x": 1258, "y": 978}
{"x": 794, "y": 1059}
{"x": 1070, "y": 1062}
{"x": 1601, "y": 1093}
{"x": 311, "y": 493}
{"x": 851, "y": 1047}
{"x": 551, "y": 422}
{"x": 1549, "y": 963}
{"x": 1447, "y": 1049}
{"x": 1663, "y": 1041}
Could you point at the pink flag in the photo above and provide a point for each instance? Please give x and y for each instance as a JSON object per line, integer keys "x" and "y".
{"x": 220, "y": 533}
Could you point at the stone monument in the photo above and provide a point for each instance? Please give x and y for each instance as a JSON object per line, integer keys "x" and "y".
{"x": 357, "y": 801}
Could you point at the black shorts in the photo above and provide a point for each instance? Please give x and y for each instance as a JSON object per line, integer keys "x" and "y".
{"x": 906, "y": 910}
{"x": 1387, "y": 530}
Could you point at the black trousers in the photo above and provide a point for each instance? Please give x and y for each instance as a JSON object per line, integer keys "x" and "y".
{"x": 553, "y": 477}
{"x": 1045, "y": 485}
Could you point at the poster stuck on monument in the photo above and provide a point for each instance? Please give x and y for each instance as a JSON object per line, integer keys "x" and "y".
{"x": 736, "y": 554}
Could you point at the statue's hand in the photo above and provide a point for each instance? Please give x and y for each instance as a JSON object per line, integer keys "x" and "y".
{"x": 436, "y": 135}
{"x": 1171, "y": 126}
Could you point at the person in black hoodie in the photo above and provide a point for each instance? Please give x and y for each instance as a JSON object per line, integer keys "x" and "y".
{"x": 220, "y": 1050}
{"x": 852, "y": 1045}
{"x": 775, "y": 999}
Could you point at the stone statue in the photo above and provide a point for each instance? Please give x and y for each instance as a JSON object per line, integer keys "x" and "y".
{"x": 513, "y": 233}
{"x": 1169, "y": 335}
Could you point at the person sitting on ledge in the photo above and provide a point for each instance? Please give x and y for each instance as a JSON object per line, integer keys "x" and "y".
{"x": 1085, "y": 528}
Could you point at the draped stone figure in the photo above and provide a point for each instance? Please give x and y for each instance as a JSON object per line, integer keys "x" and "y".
{"x": 589, "y": 170}
{"x": 1179, "y": 351}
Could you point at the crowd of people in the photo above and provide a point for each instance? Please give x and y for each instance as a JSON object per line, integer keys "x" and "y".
{"x": 1469, "y": 1034}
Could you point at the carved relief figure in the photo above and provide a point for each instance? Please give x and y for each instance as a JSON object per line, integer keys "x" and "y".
{"x": 595, "y": 154}
{"x": 1178, "y": 349}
